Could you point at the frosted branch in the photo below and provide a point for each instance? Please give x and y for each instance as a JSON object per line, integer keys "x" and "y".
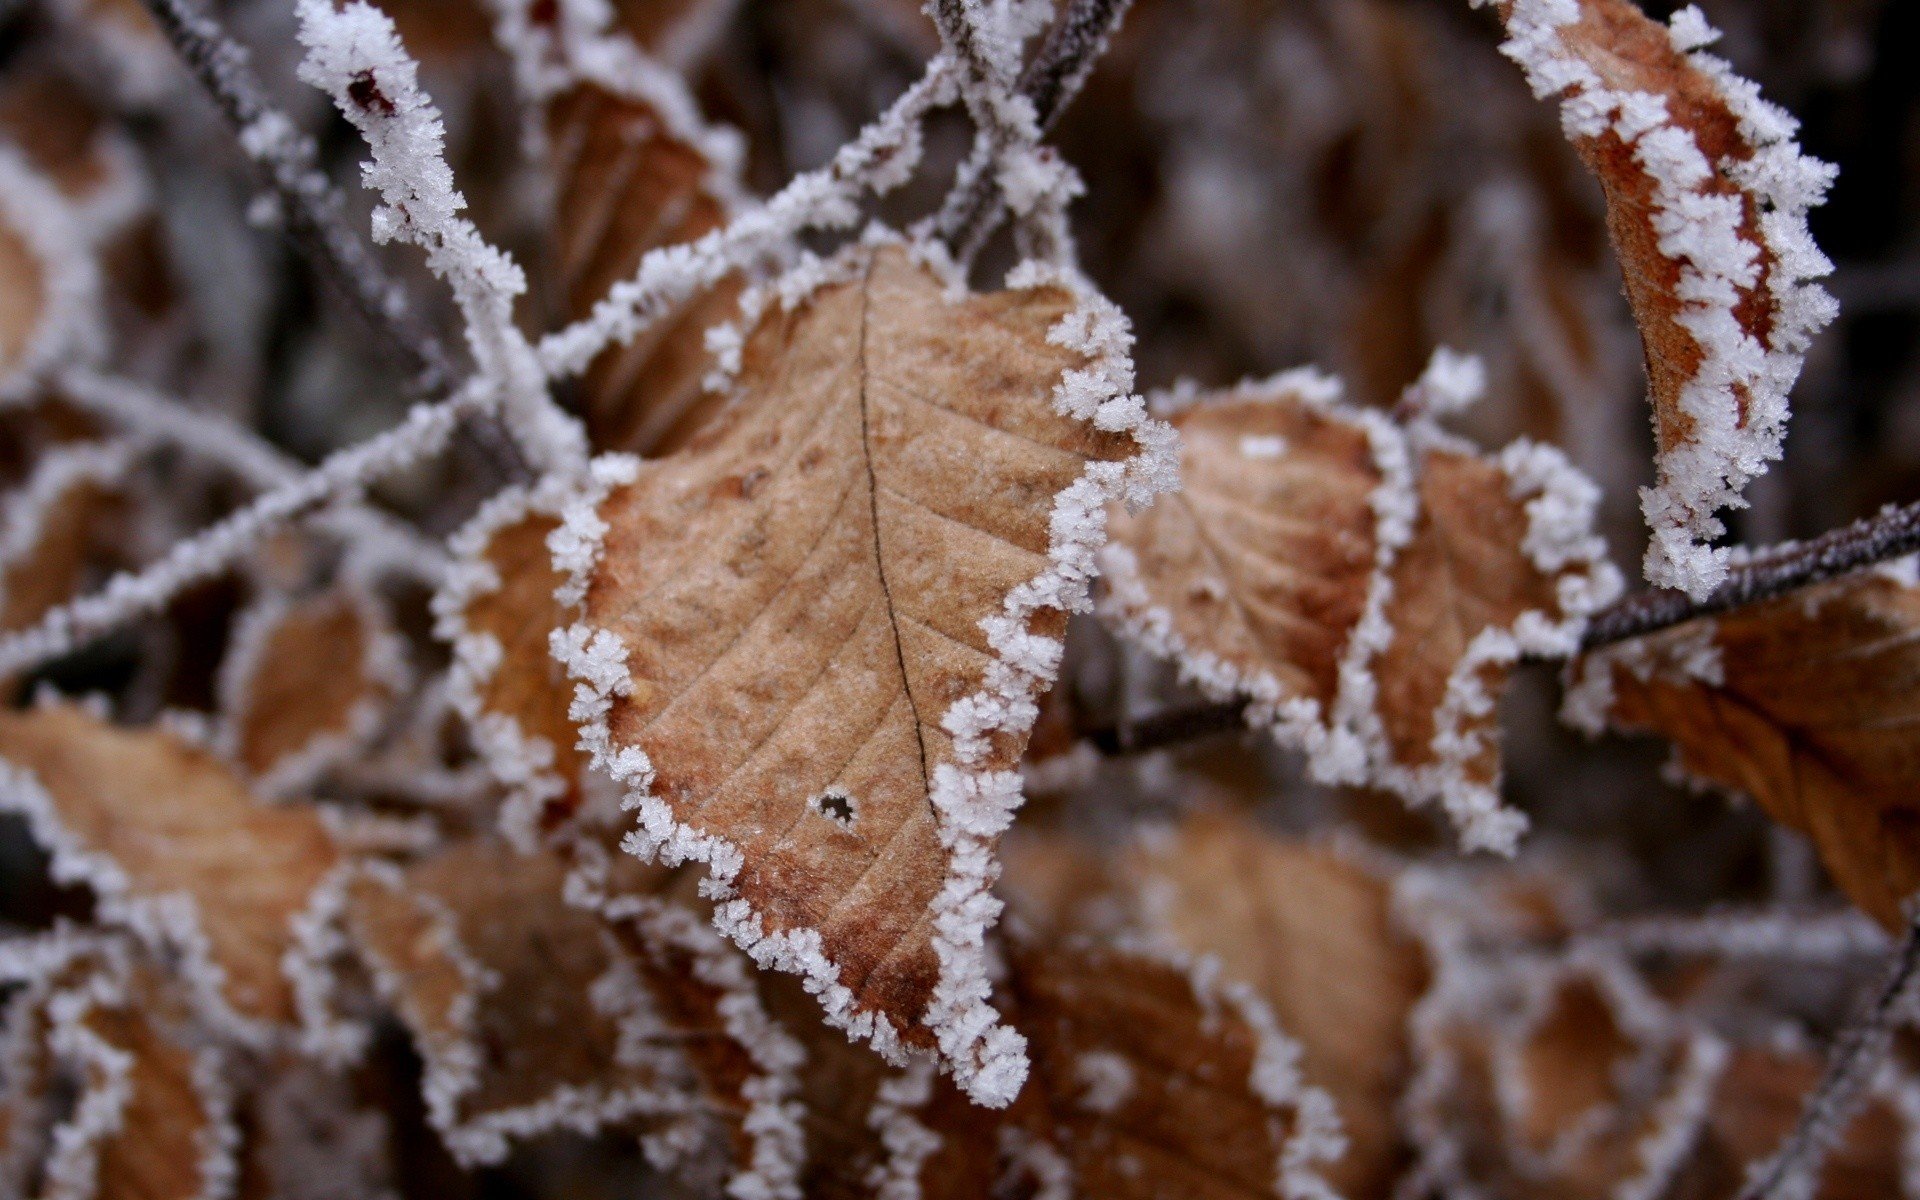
{"x": 313, "y": 207}
{"x": 131, "y": 594}
{"x": 354, "y": 54}
{"x": 1857, "y": 1057}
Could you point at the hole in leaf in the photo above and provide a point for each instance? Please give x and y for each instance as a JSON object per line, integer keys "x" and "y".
{"x": 835, "y": 806}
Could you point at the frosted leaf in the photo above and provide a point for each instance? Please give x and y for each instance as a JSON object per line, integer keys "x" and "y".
{"x": 55, "y": 526}
{"x": 150, "y": 1115}
{"x": 1707, "y": 198}
{"x": 175, "y": 848}
{"x": 305, "y": 682}
{"x": 1366, "y": 590}
{"x": 497, "y": 610}
{"x": 858, "y": 578}
{"x": 1807, "y": 704}
{"x": 495, "y": 976}
{"x": 1311, "y": 933}
{"x": 636, "y": 169}
{"x": 310, "y": 1136}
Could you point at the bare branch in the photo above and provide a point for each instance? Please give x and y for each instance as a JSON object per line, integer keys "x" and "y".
{"x": 1857, "y": 1055}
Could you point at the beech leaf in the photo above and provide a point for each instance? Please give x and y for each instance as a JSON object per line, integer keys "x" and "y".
{"x": 1810, "y": 704}
{"x": 811, "y": 639}
{"x": 1365, "y": 584}
{"x": 54, "y": 527}
{"x": 174, "y": 847}
{"x": 1707, "y": 199}
{"x": 305, "y": 682}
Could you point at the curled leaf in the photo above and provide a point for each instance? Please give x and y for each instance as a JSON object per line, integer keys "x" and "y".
{"x": 1363, "y": 583}
{"x": 1810, "y": 704}
{"x": 811, "y": 639}
{"x": 174, "y": 847}
{"x": 1707, "y": 199}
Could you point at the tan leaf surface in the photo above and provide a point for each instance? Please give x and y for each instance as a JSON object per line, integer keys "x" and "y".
{"x": 628, "y": 182}
{"x": 1366, "y": 585}
{"x": 1707, "y": 198}
{"x": 495, "y": 976}
{"x": 54, "y": 527}
{"x": 810, "y": 639}
{"x": 171, "y": 841}
{"x": 1312, "y": 934}
{"x": 22, "y": 297}
{"x": 1810, "y": 704}
{"x": 304, "y": 684}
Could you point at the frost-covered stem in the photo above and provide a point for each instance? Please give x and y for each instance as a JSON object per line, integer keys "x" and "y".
{"x": 1891, "y": 533}
{"x": 1857, "y": 1056}
{"x": 1065, "y": 59}
{"x": 314, "y": 208}
{"x": 258, "y": 462}
{"x": 133, "y": 593}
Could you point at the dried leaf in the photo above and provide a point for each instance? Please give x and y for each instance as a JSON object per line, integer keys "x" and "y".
{"x": 141, "y": 1100}
{"x": 54, "y": 527}
{"x": 497, "y": 977}
{"x": 1364, "y": 584}
{"x": 1707, "y": 197}
{"x": 21, "y": 297}
{"x": 631, "y": 179}
{"x": 1311, "y": 932}
{"x": 498, "y": 611}
{"x": 811, "y": 638}
{"x": 304, "y": 684}
{"x": 1807, "y": 704}
{"x": 174, "y": 847}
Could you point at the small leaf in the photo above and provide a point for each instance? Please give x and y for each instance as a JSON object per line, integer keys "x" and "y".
{"x": 174, "y": 847}
{"x": 1366, "y": 585}
{"x": 498, "y": 611}
{"x": 1707, "y": 199}
{"x": 55, "y": 526}
{"x": 1313, "y": 935}
{"x": 1810, "y": 704}
{"x": 857, "y": 579}
{"x": 304, "y": 684}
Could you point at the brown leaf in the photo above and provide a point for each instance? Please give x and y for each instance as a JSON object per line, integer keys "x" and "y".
{"x": 498, "y": 612}
{"x": 1707, "y": 197}
{"x": 1364, "y": 584}
{"x": 633, "y": 176}
{"x": 174, "y": 846}
{"x": 1810, "y": 704}
{"x": 22, "y": 297}
{"x": 138, "y": 1097}
{"x": 1312, "y": 934}
{"x": 497, "y": 977}
{"x": 55, "y": 527}
{"x": 811, "y": 638}
{"x": 305, "y": 682}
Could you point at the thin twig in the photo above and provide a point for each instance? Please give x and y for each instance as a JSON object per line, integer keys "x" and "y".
{"x": 315, "y": 215}
{"x": 1857, "y": 1054}
{"x": 1050, "y": 82}
{"x": 1891, "y": 533}
{"x": 315, "y": 210}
